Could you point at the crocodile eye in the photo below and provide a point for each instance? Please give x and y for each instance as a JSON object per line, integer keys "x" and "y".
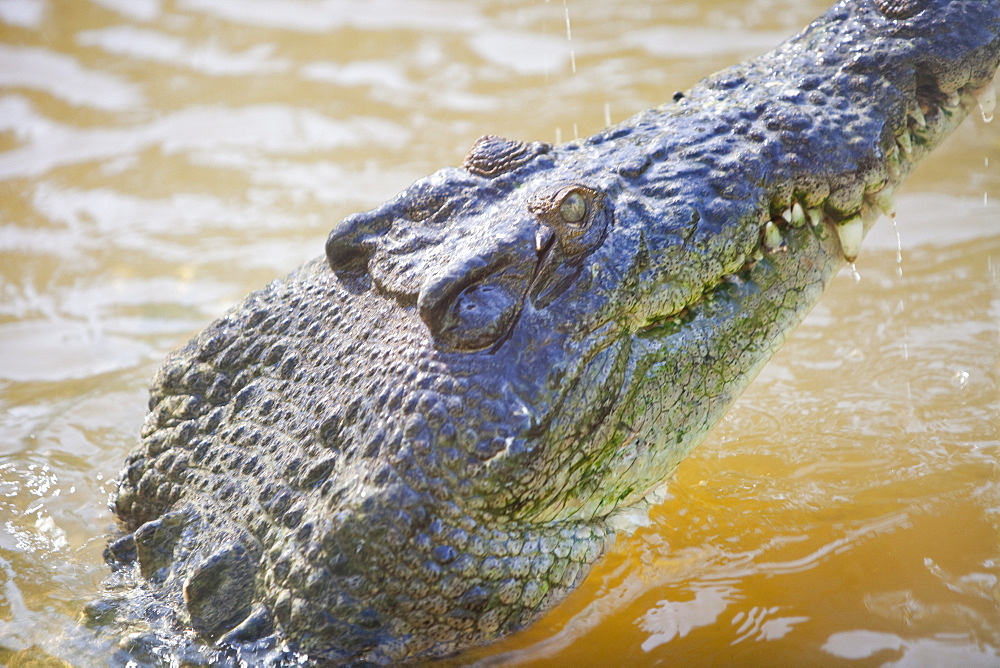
{"x": 567, "y": 205}
{"x": 577, "y": 215}
{"x": 573, "y": 208}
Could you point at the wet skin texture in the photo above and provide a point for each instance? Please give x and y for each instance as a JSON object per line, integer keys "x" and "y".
{"x": 424, "y": 439}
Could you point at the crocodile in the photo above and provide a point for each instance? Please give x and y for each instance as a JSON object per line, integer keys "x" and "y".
{"x": 420, "y": 441}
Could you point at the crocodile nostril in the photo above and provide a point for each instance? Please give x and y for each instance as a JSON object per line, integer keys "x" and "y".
{"x": 352, "y": 241}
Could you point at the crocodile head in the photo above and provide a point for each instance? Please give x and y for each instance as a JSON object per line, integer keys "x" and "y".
{"x": 422, "y": 440}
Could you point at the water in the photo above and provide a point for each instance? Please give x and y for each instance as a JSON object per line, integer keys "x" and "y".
{"x": 159, "y": 160}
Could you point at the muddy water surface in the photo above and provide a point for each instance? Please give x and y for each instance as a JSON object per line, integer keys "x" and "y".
{"x": 161, "y": 158}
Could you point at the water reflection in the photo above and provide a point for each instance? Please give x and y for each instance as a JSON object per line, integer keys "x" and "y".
{"x": 23, "y": 13}
{"x": 216, "y": 131}
{"x": 63, "y": 77}
{"x": 134, "y": 42}
{"x": 330, "y": 15}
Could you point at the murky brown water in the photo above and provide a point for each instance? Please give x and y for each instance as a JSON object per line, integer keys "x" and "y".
{"x": 159, "y": 159}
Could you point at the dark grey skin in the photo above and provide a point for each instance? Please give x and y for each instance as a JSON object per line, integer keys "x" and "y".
{"x": 421, "y": 441}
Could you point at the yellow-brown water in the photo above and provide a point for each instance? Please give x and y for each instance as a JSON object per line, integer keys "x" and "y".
{"x": 161, "y": 158}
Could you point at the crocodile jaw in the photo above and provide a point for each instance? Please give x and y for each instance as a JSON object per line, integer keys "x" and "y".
{"x": 802, "y": 229}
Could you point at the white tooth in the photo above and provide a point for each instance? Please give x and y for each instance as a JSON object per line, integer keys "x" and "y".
{"x": 954, "y": 99}
{"x": 815, "y": 216}
{"x": 870, "y": 214}
{"x": 987, "y": 98}
{"x": 798, "y": 216}
{"x": 892, "y": 162}
{"x": 787, "y": 214}
{"x": 892, "y": 153}
{"x": 895, "y": 170}
{"x": 885, "y": 200}
{"x": 772, "y": 236}
{"x": 905, "y": 142}
{"x": 918, "y": 116}
{"x": 851, "y": 233}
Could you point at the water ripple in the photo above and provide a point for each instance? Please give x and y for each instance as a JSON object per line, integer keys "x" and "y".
{"x": 264, "y": 127}
{"x": 64, "y": 77}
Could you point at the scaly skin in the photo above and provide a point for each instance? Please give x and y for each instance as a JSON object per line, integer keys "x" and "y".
{"x": 421, "y": 441}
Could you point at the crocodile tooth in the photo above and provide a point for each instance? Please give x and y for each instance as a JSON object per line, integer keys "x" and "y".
{"x": 885, "y": 199}
{"x": 895, "y": 171}
{"x": 892, "y": 153}
{"x": 870, "y": 215}
{"x": 786, "y": 215}
{"x": 772, "y": 236}
{"x": 917, "y": 114}
{"x": 954, "y": 99}
{"x": 798, "y": 216}
{"x": 893, "y": 163}
{"x": 905, "y": 142}
{"x": 815, "y": 216}
{"x": 851, "y": 232}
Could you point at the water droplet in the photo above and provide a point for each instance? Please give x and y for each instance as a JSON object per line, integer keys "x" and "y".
{"x": 987, "y": 99}
{"x": 569, "y": 38}
{"x": 899, "y": 248}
